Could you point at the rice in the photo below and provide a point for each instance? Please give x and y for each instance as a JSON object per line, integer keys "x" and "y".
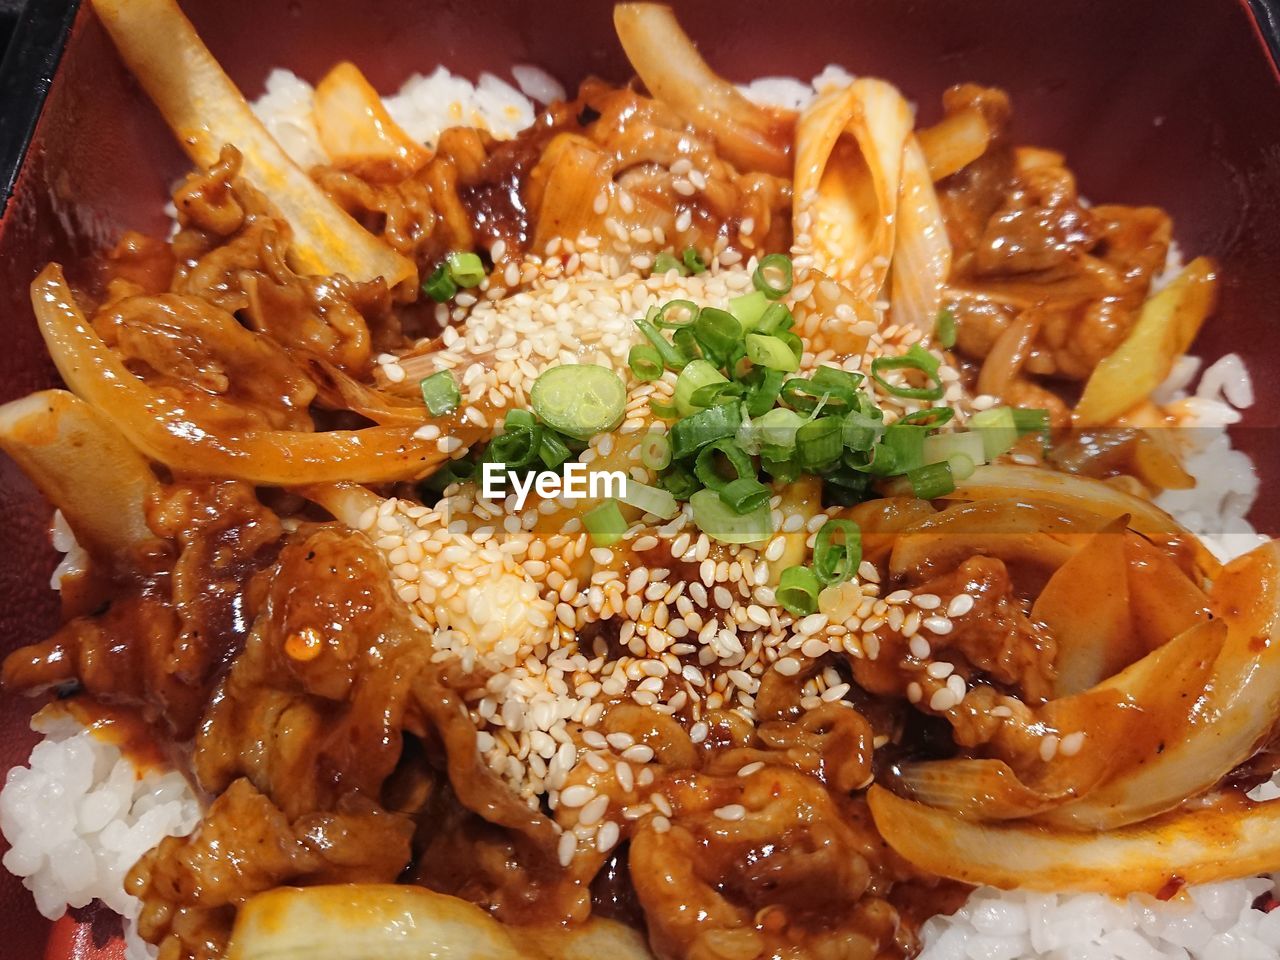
{"x": 79, "y": 815}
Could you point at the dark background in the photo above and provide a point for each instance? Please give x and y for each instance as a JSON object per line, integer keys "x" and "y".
{"x": 8, "y": 14}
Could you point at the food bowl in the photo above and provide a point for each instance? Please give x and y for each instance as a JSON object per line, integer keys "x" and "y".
{"x": 1173, "y": 103}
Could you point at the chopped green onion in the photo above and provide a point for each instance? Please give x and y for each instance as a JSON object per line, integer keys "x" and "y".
{"x": 695, "y": 375}
{"x": 553, "y": 451}
{"x": 455, "y": 471}
{"x": 775, "y": 431}
{"x": 797, "y": 591}
{"x": 781, "y": 469}
{"x": 651, "y": 500}
{"x": 744, "y": 494}
{"x": 829, "y": 386}
{"x": 713, "y": 393}
{"x": 945, "y": 329}
{"x": 691, "y": 434}
{"x": 943, "y": 446}
{"x": 655, "y": 451}
{"x": 931, "y": 417}
{"x": 466, "y": 269}
{"x": 440, "y": 286}
{"x": 645, "y": 362}
{"x": 763, "y": 388}
{"x": 717, "y": 331}
{"x": 836, "y": 562}
{"x": 846, "y": 486}
{"x": 1031, "y": 420}
{"x": 901, "y": 449}
{"x": 932, "y": 480}
{"x": 686, "y": 345}
{"x": 771, "y": 352}
{"x": 717, "y": 520}
{"x": 664, "y": 262}
{"x": 672, "y": 357}
{"x": 693, "y": 260}
{"x": 663, "y": 411}
{"x": 861, "y": 431}
{"x": 962, "y": 466}
{"x": 749, "y": 308}
{"x": 793, "y": 341}
{"x": 676, "y": 314}
{"x": 998, "y": 429}
{"x": 605, "y": 523}
{"x": 818, "y": 444}
{"x": 917, "y": 358}
{"x": 440, "y": 393}
{"x": 775, "y": 318}
{"x": 705, "y": 464}
{"x": 773, "y": 276}
{"x": 679, "y": 482}
{"x": 579, "y": 399}
{"x": 516, "y": 449}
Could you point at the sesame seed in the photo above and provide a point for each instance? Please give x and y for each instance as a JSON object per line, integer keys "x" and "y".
{"x": 577, "y": 796}
{"x": 1048, "y": 747}
{"x": 733, "y": 811}
{"x": 960, "y": 604}
{"x": 750, "y": 768}
{"x": 608, "y": 836}
{"x": 1071, "y": 744}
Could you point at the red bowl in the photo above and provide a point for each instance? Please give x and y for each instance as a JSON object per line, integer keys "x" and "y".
{"x": 1167, "y": 102}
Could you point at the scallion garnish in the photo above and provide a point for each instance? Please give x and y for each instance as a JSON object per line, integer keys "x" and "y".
{"x": 673, "y": 358}
{"x": 945, "y": 328}
{"x": 932, "y": 480}
{"x": 705, "y": 464}
{"x": 579, "y": 399}
{"x": 664, "y": 262}
{"x": 440, "y": 393}
{"x": 720, "y": 522}
{"x": 917, "y": 358}
{"x": 749, "y": 309}
{"x": 650, "y": 500}
{"x": 771, "y": 352}
{"x": 645, "y": 362}
{"x": 744, "y": 494}
{"x": 837, "y": 551}
{"x": 440, "y": 286}
{"x": 718, "y": 332}
{"x": 797, "y": 591}
{"x": 696, "y": 375}
{"x": 655, "y": 451}
{"x": 773, "y": 276}
{"x": 693, "y": 260}
{"x": 818, "y": 444}
{"x": 605, "y": 523}
{"x": 466, "y": 269}
{"x": 691, "y": 434}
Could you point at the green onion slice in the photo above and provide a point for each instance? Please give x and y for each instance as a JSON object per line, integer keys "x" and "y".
{"x": 998, "y": 428}
{"x": 837, "y": 551}
{"x": 579, "y": 399}
{"x": 818, "y": 445}
{"x": 691, "y": 434}
{"x": 720, "y": 522}
{"x": 651, "y": 500}
{"x": 466, "y": 269}
{"x": 945, "y": 328}
{"x": 680, "y": 482}
{"x": 440, "y": 393}
{"x": 605, "y": 523}
{"x": 773, "y": 276}
{"x": 932, "y": 480}
{"x": 665, "y": 262}
{"x": 797, "y": 591}
{"x": 695, "y": 375}
{"x": 705, "y": 464}
{"x": 655, "y": 451}
{"x": 440, "y": 286}
{"x": 744, "y": 494}
{"x": 645, "y": 362}
{"x": 676, "y": 314}
{"x": 917, "y": 358}
{"x": 772, "y": 352}
{"x": 749, "y": 308}
{"x": 693, "y": 260}
{"x": 718, "y": 332}
{"x": 672, "y": 356}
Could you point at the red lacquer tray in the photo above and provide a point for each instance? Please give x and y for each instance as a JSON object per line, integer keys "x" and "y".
{"x": 1170, "y": 102}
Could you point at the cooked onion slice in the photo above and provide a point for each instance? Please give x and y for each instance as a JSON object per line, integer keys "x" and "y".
{"x": 955, "y": 141}
{"x": 1234, "y": 839}
{"x": 1225, "y": 725}
{"x": 922, "y": 251}
{"x": 205, "y": 110}
{"x": 405, "y": 922}
{"x": 356, "y": 130}
{"x": 1168, "y": 323}
{"x": 849, "y": 150}
{"x": 162, "y": 429}
{"x": 675, "y": 73}
{"x": 84, "y": 467}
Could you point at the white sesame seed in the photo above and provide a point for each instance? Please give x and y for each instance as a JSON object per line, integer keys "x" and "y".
{"x": 750, "y": 768}
{"x": 936, "y": 625}
{"x": 608, "y": 836}
{"x": 732, "y": 811}
{"x": 960, "y": 604}
{"x": 1071, "y": 744}
{"x": 577, "y": 795}
{"x": 1048, "y": 747}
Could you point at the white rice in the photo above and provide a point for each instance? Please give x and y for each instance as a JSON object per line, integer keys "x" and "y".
{"x": 79, "y": 816}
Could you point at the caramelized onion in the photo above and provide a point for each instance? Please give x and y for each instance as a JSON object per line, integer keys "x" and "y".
{"x": 675, "y": 73}
{"x": 1231, "y": 840}
{"x": 205, "y": 110}
{"x": 162, "y": 429}
{"x": 922, "y": 251}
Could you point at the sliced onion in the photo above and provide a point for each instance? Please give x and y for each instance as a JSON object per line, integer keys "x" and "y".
{"x": 1236, "y": 839}
{"x": 83, "y": 466}
{"x": 158, "y": 425}
{"x": 848, "y": 173}
{"x": 980, "y": 789}
{"x": 205, "y": 111}
{"x": 665, "y": 58}
{"x": 1225, "y": 725}
{"x": 922, "y": 249}
{"x": 955, "y": 141}
{"x": 1000, "y": 480}
{"x": 356, "y": 130}
{"x": 1096, "y": 643}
